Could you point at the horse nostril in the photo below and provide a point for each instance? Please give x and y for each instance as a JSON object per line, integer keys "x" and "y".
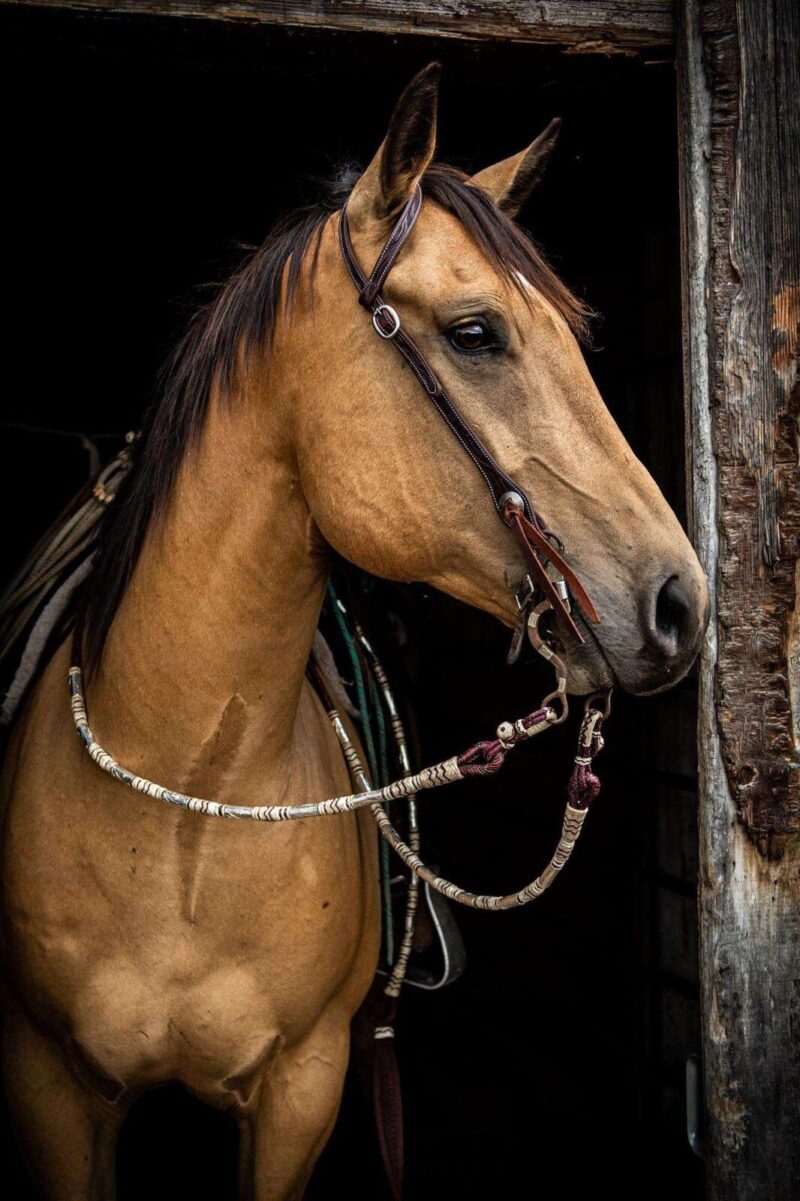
{"x": 673, "y": 615}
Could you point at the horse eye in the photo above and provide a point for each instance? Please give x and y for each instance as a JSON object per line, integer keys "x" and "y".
{"x": 472, "y": 336}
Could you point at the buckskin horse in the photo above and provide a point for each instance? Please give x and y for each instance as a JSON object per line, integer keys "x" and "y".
{"x": 146, "y": 944}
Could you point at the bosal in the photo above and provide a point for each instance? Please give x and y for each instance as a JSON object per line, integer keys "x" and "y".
{"x": 550, "y": 581}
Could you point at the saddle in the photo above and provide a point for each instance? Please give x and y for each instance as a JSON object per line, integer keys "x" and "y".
{"x": 37, "y": 607}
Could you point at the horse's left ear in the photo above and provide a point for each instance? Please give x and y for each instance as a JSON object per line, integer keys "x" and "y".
{"x": 510, "y": 182}
{"x": 405, "y": 153}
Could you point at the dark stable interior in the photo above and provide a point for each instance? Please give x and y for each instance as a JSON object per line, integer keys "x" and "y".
{"x": 140, "y": 155}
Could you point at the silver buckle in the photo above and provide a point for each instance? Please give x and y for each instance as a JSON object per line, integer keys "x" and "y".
{"x": 560, "y": 585}
{"x": 386, "y": 308}
{"x": 525, "y": 593}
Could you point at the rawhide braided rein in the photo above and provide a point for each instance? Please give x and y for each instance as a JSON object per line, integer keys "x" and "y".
{"x": 484, "y": 758}
{"x": 583, "y": 788}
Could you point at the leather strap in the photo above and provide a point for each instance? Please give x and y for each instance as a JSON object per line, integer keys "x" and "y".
{"x": 535, "y": 541}
{"x": 370, "y": 297}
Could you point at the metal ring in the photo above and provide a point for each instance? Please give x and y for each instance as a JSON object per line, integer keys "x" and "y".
{"x": 386, "y": 308}
{"x": 595, "y": 699}
{"x": 559, "y": 696}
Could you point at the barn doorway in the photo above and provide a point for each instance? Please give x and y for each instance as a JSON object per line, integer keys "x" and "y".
{"x": 142, "y": 152}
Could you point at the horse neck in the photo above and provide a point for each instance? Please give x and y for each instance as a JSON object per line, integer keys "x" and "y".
{"x": 208, "y": 650}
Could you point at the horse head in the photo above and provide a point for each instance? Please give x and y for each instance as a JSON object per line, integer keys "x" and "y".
{"x": 386, "y": 481}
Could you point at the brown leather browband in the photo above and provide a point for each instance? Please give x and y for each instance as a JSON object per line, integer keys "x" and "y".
{"x": 536, "y": 542}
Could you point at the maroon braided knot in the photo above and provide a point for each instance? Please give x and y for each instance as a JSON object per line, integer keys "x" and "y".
{"x": 584, "y": 785}
{"x": 486, "y": 758}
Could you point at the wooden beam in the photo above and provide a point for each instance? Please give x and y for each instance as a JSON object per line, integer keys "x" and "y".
{"x": 739, "y": 119}
{"x": 589, "y": 26}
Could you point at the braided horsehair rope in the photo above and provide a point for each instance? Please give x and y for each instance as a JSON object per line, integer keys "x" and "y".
{"x": 484, "y": 758}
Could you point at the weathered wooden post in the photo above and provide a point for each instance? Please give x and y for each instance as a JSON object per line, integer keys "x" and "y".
{"x": 739, "y": 95}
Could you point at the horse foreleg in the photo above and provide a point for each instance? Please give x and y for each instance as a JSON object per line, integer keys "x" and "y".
{"x": 291, "y": 1121}
{"x": 66, "y": 1133}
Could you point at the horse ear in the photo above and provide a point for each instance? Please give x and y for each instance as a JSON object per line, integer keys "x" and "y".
{"x": 510, "y": 182}
{"x": 405, "y": 153}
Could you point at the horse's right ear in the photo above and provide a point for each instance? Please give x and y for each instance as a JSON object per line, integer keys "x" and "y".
{"x": 405, "y": 153}
{"x": 510, "y": 182}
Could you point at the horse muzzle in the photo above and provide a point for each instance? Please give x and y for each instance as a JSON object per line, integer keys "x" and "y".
{"x": 648, "y": 646}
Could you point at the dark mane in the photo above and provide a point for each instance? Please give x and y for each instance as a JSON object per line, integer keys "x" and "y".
{"x": 241, "y": 317}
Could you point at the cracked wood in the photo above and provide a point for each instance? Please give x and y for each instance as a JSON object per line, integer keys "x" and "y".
{"x": 740, "y": 200}
{"x": 593, "y": 26}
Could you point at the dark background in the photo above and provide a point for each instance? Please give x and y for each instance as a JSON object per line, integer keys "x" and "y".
{"x": 139, "y": 155}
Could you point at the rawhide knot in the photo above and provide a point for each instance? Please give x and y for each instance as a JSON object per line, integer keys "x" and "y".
{"x": 483, "y": 759}
{"x": 486, "y": 758}
{"x": 510, "y": 733}
{"x": 584, "y": 785}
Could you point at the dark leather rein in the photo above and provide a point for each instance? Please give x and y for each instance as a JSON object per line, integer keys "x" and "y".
{"x": 541, "y": 548}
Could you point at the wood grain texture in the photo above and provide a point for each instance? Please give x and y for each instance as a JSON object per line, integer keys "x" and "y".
{"x": 740, "y": 185}
{"x": 593, "y": 26}
{"x": 751, "y": 54}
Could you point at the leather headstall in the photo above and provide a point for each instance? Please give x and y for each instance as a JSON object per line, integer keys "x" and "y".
{"x": 548, "y": 571}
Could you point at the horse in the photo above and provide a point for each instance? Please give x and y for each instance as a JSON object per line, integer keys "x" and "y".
{"x": 145, "y": 945}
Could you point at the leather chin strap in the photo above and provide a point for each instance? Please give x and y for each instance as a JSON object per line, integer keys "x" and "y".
{"x": 549, "y": 572}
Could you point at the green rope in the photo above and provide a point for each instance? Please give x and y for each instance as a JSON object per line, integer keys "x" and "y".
{"x": 358, "y": 680}
{"x": 378, "y": 762}
{"x": 376, "y": 698}
{"x": 376, "y": 709}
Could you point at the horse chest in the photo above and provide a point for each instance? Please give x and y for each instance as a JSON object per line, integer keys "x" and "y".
{"x": 207, "y": 1002}
{"x": 215, "y": 1033}
{"x": 191, "y": 955}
